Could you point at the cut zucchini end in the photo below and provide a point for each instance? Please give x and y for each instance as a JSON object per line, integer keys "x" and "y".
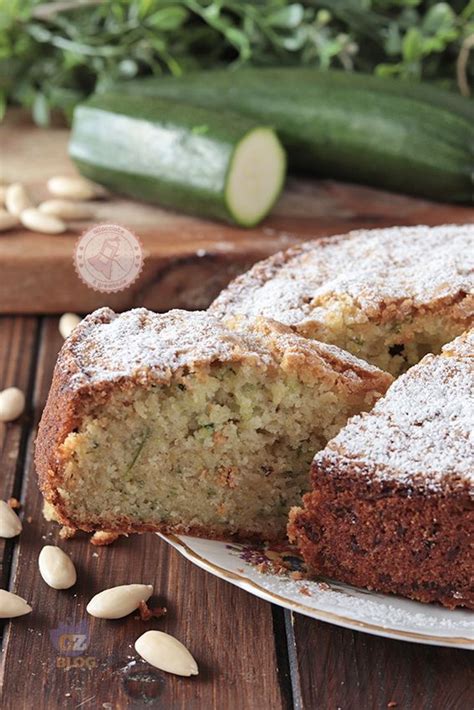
{"x": 256, "y": 175}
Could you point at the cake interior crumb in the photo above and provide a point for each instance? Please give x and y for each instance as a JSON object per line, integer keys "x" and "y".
{"x": 228, "y": 449}
{"x": 393, "y": 344}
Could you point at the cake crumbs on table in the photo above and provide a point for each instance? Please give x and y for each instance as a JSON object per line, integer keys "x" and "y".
{"x": 101, "y": 537}
{"x": 151, "y": 612}
{"x": 66, "y": 533}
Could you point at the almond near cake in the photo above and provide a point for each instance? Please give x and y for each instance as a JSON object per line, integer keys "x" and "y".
{"x": 391, "y": 507}
{"x": 181, "y": 422}
{"x": 389, "y": 296}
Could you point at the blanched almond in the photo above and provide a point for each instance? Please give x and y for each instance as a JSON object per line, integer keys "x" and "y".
{"x": 166, "y": 653}
{"x": 10, "y": 523}
{"x": 12, "y": 404}
{"x": 73, "y": 188}
{"x": 37, "y": 221}
{"x": 66, "y": 209}
{"x": 67, "y": 323}
{"x": 17, "y": 199}
{"x": 116, "y": 602}
{"x": 56, "y": 568}
{"x": 7, "y": 220}
{"x": 12, "y": 605}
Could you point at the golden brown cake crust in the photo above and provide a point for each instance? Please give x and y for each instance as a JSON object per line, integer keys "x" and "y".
{"x": 392, "y": 501}
{"x": 388, "y": 273}
{"x": 108, "y": 352}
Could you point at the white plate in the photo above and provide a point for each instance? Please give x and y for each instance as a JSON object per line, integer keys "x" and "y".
{"x": 358, "y": 609}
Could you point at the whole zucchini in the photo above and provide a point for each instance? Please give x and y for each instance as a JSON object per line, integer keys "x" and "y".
{"x": 388, "y": 133}
{"x": 211, "y": 163}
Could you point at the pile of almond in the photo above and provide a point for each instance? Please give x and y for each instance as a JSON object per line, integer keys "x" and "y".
{"x": 50, "y": 217}
{"x": 56, "y": 567}
{"x": 58, "y": 571}
{"x": 12, "y": 404}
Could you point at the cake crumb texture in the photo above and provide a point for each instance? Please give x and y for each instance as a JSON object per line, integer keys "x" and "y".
{"x": 389, "y": 296}
{"x": 181, "y": 422}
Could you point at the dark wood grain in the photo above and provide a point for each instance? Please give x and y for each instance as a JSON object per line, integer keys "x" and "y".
{"x": 229, "y": 632}
{"x": 17, "y": 357}
{"x": 338, "y": 668}
{"x": 252, "y": 656}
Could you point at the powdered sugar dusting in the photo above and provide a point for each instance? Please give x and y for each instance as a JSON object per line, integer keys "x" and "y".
{"x": 415, "y": 265}
{"x": 462, "y": 346}
{"x": 423, "y": 427}
{"x": 152, "y": 346}
{"x": 108, "y": 346}
{"x": 333, "y": 601}
{"x": 367, "y": 606}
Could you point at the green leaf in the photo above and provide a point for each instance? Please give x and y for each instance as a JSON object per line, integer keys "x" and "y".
{"x": 237, "y": 38}
{"x": 200, "y": 130}
{"x": 296, "y": 41}
{"x": 393, "y": 43}
{"x": 3, "y": 105}
{"x": 388, "y": 70}
{"x": 288, "y": 17}
{"x": 51, "y": 47}
{"x": 39, "y": 32}
{"x": 168, "y": 19}
{"x": 40, "y": 110}
{"x": 412, "y": 45}
{"x": 439, "y": 17}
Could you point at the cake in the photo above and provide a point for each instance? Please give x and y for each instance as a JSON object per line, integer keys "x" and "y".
{"x": 391, "y": 506}
{"x": 182, "y": 422}
{"x": 389, "y": 296}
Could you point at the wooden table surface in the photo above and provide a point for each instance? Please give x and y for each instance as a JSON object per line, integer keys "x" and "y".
{"x": 252, "y": 655}
{"x": 187, "y": 260}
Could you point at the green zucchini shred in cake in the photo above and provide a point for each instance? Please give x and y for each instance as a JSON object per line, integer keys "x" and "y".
{"x": 180, "y": 422}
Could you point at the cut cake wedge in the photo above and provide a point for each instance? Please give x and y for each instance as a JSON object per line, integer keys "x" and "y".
{"x": 392, "y": 503}
{"x": 179, "y": 422}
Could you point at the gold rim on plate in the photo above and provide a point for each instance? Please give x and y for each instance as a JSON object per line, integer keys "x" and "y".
{"x": 310, "y": 611}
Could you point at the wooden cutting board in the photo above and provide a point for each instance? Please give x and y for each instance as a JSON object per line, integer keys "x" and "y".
{"x": 187, "y": 260}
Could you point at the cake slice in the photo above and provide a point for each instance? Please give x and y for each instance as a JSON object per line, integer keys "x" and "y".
{"x": 179, "y": 422}
{"x": 391, "y": 507}
{"x": 389, "y": 296}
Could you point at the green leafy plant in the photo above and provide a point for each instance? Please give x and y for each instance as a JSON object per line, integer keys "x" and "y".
{"x": 53, "y": 54}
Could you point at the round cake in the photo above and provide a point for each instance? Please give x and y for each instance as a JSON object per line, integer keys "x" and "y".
{"x": 207, "y": 422}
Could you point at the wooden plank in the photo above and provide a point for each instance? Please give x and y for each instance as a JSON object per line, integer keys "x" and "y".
{"x": 188, "y": 260}
{"x": 337, "y": 668}
{"x": 229, "y": 632}
{"x": 17, "y": 358}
